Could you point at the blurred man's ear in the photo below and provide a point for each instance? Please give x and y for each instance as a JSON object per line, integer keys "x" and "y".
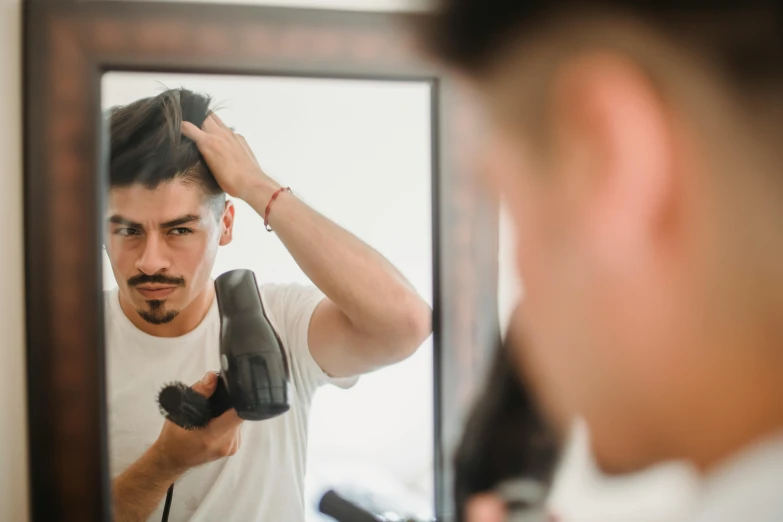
{"x": 227, "y": 223}
{"x": 613, "y": 155}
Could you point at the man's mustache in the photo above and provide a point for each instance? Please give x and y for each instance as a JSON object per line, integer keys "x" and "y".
{"x": 160, "y": 279}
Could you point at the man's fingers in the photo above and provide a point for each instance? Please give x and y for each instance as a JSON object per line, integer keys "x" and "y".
{"x": 243, "y": 142}
{"x": 236, "y": 443}
{"x": 207, "y": 385}
{"x": 210, "y": 126}
{"x": 216, "y": 119}
{"x": 226, "y": 422}
{"x": 191, "y": 131}
{"x": 214, "y": 125}
{"x": 486, "y": 508}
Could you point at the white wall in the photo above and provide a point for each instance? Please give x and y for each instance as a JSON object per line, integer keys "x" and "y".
{"x": 13, "y": 414}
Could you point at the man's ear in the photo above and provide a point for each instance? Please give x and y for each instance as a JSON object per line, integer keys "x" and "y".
{"x": 227, "y": 223}
{"x": 616, "y": 146}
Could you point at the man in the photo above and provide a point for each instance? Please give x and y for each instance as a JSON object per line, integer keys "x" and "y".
{"x": 172, "y": 164}
{"x": 638, "y": 147}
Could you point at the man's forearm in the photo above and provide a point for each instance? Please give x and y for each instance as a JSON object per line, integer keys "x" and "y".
{"x": 368, "y": 289}
{"x": 140, "y": 488}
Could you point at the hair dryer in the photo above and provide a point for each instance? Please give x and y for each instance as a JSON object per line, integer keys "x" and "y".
{"x": 507, "y": 446}
{"x": 254, "y": 377}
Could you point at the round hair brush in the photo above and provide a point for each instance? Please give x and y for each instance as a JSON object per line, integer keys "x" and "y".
{"x": 188, "y": 409}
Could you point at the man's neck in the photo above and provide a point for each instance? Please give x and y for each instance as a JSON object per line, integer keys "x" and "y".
{"x": 186, "y": 321}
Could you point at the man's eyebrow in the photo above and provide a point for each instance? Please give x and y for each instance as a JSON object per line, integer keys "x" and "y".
{"x": 190, "y": 218}
{"x": 119, "y": 220}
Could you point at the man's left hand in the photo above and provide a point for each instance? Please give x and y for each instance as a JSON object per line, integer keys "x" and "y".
{"x": 229, "y": 158}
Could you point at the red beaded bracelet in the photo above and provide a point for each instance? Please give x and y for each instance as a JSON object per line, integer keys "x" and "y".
{"x": 269, "y": 206}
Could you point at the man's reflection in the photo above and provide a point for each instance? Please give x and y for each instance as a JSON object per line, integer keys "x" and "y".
{"x": 173, "y": 163}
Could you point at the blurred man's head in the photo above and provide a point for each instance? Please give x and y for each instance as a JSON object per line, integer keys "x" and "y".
{"x": 639, "y": 152}
{"x": 166, "y": 213}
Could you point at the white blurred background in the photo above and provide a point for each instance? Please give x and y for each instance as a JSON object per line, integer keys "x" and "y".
{"x": 359, "y": 152}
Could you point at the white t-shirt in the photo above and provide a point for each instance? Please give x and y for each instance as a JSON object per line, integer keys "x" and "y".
{"x": 749, "y": 487}
{"x": 264, "y": 481}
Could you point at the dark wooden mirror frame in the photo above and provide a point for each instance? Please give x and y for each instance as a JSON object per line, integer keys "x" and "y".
{"x": 68, "y": 45}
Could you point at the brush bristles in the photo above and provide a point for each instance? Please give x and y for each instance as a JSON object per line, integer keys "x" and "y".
{"x": 183, "y": 406}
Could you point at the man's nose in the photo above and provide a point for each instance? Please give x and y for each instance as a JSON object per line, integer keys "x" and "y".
{"x": 154, "y": 258}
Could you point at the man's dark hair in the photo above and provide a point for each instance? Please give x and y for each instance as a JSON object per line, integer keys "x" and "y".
{"x": 147, "y": 146}
{"x": 744, "y": 38}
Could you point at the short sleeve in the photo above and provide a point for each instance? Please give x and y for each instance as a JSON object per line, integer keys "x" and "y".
{"x": 290, "y": 308}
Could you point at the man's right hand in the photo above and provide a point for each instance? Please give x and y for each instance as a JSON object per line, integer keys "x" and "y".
{"x": 138, "y": 490}
{"x": 180, "y": 449}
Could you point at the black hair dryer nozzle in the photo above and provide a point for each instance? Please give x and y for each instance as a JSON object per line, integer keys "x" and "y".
{"x": 254, "y": 376}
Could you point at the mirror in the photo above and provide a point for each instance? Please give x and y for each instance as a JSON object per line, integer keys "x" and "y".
{"x": 357, "y": 152}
